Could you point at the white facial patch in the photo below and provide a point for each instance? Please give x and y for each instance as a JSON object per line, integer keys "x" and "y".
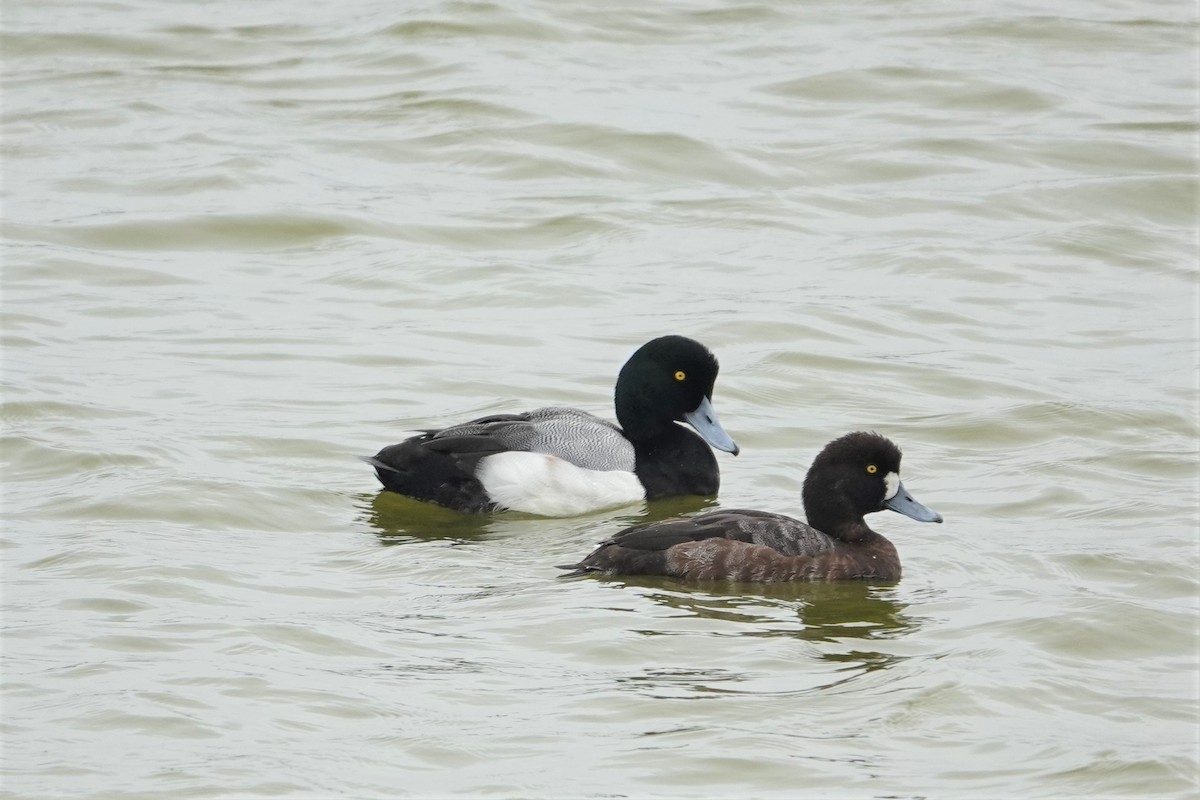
{"x": 547, "y": 485}
{"x": 891, "y": 483}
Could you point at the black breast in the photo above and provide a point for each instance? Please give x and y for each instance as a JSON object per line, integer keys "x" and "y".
{"x": 676, "y": 462}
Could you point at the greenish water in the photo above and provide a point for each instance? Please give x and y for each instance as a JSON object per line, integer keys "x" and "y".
{"x": 245, "y": 243}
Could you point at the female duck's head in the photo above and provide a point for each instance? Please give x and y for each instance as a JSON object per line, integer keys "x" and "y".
{"x": 855, "y": 475}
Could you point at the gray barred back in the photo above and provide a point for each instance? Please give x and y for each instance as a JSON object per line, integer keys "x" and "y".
{"x": 582, "y": 439}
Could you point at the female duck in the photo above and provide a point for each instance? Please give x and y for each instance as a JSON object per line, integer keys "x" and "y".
{"x": 854, "y": 475}
{"x": 563, "y": 461}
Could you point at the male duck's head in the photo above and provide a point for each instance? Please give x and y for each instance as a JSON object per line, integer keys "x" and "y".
{"x": 670, "y": 379}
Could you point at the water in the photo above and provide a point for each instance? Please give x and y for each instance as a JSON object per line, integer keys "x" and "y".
{"x": 246, "y": 242}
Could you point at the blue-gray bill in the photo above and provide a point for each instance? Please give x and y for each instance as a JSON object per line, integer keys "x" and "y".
{"x": 904, "y": 503}
{"x": 704, "y": 420}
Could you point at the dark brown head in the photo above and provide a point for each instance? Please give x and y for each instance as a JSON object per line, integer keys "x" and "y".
{"x": 856, "y": 475}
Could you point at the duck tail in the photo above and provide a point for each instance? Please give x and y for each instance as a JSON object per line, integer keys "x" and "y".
{"x": 376, "y": 463}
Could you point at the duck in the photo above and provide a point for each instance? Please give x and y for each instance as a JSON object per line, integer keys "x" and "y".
{"x": 854, "y": 475}
{"x": 559, "y": 461}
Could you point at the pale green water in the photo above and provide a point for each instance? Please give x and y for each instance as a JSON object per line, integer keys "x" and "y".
{"x": 246, "y": 242}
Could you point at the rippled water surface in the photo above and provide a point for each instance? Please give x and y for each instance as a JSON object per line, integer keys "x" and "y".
{"x": 246, "y": 242}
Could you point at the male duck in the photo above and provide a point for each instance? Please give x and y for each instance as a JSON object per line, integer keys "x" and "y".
{"x": 563, "y": 461}
{"x": 854, "y": 475}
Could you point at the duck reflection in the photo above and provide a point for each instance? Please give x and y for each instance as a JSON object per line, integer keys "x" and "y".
{"x": 397, "y": 519}
{"x": 653, "y": 512}
{"x": 838, "y": 620}
{"x": 828, "y": 612}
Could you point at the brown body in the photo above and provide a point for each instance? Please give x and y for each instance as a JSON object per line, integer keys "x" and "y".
{"x": 724, "y": 559}
{"x": 853, "y": 476}
{"x": 744, "y": 546}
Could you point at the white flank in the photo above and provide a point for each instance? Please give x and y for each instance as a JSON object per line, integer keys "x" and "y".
{"x": 892, "y": 482}
{"x": 547, "y": 485}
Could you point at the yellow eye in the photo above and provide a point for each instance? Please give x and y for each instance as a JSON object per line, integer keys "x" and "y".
{"x": 680, "y": 375}
{"x": 872, "y": 469}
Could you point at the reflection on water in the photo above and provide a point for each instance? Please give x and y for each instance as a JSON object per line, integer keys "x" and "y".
{"x": 828, "y": 612}
{"x": 830, "y": 616}
{"x": 665, "y": 508}
{"x": 832, "y": 612}
{"x": 397, "y": 519}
